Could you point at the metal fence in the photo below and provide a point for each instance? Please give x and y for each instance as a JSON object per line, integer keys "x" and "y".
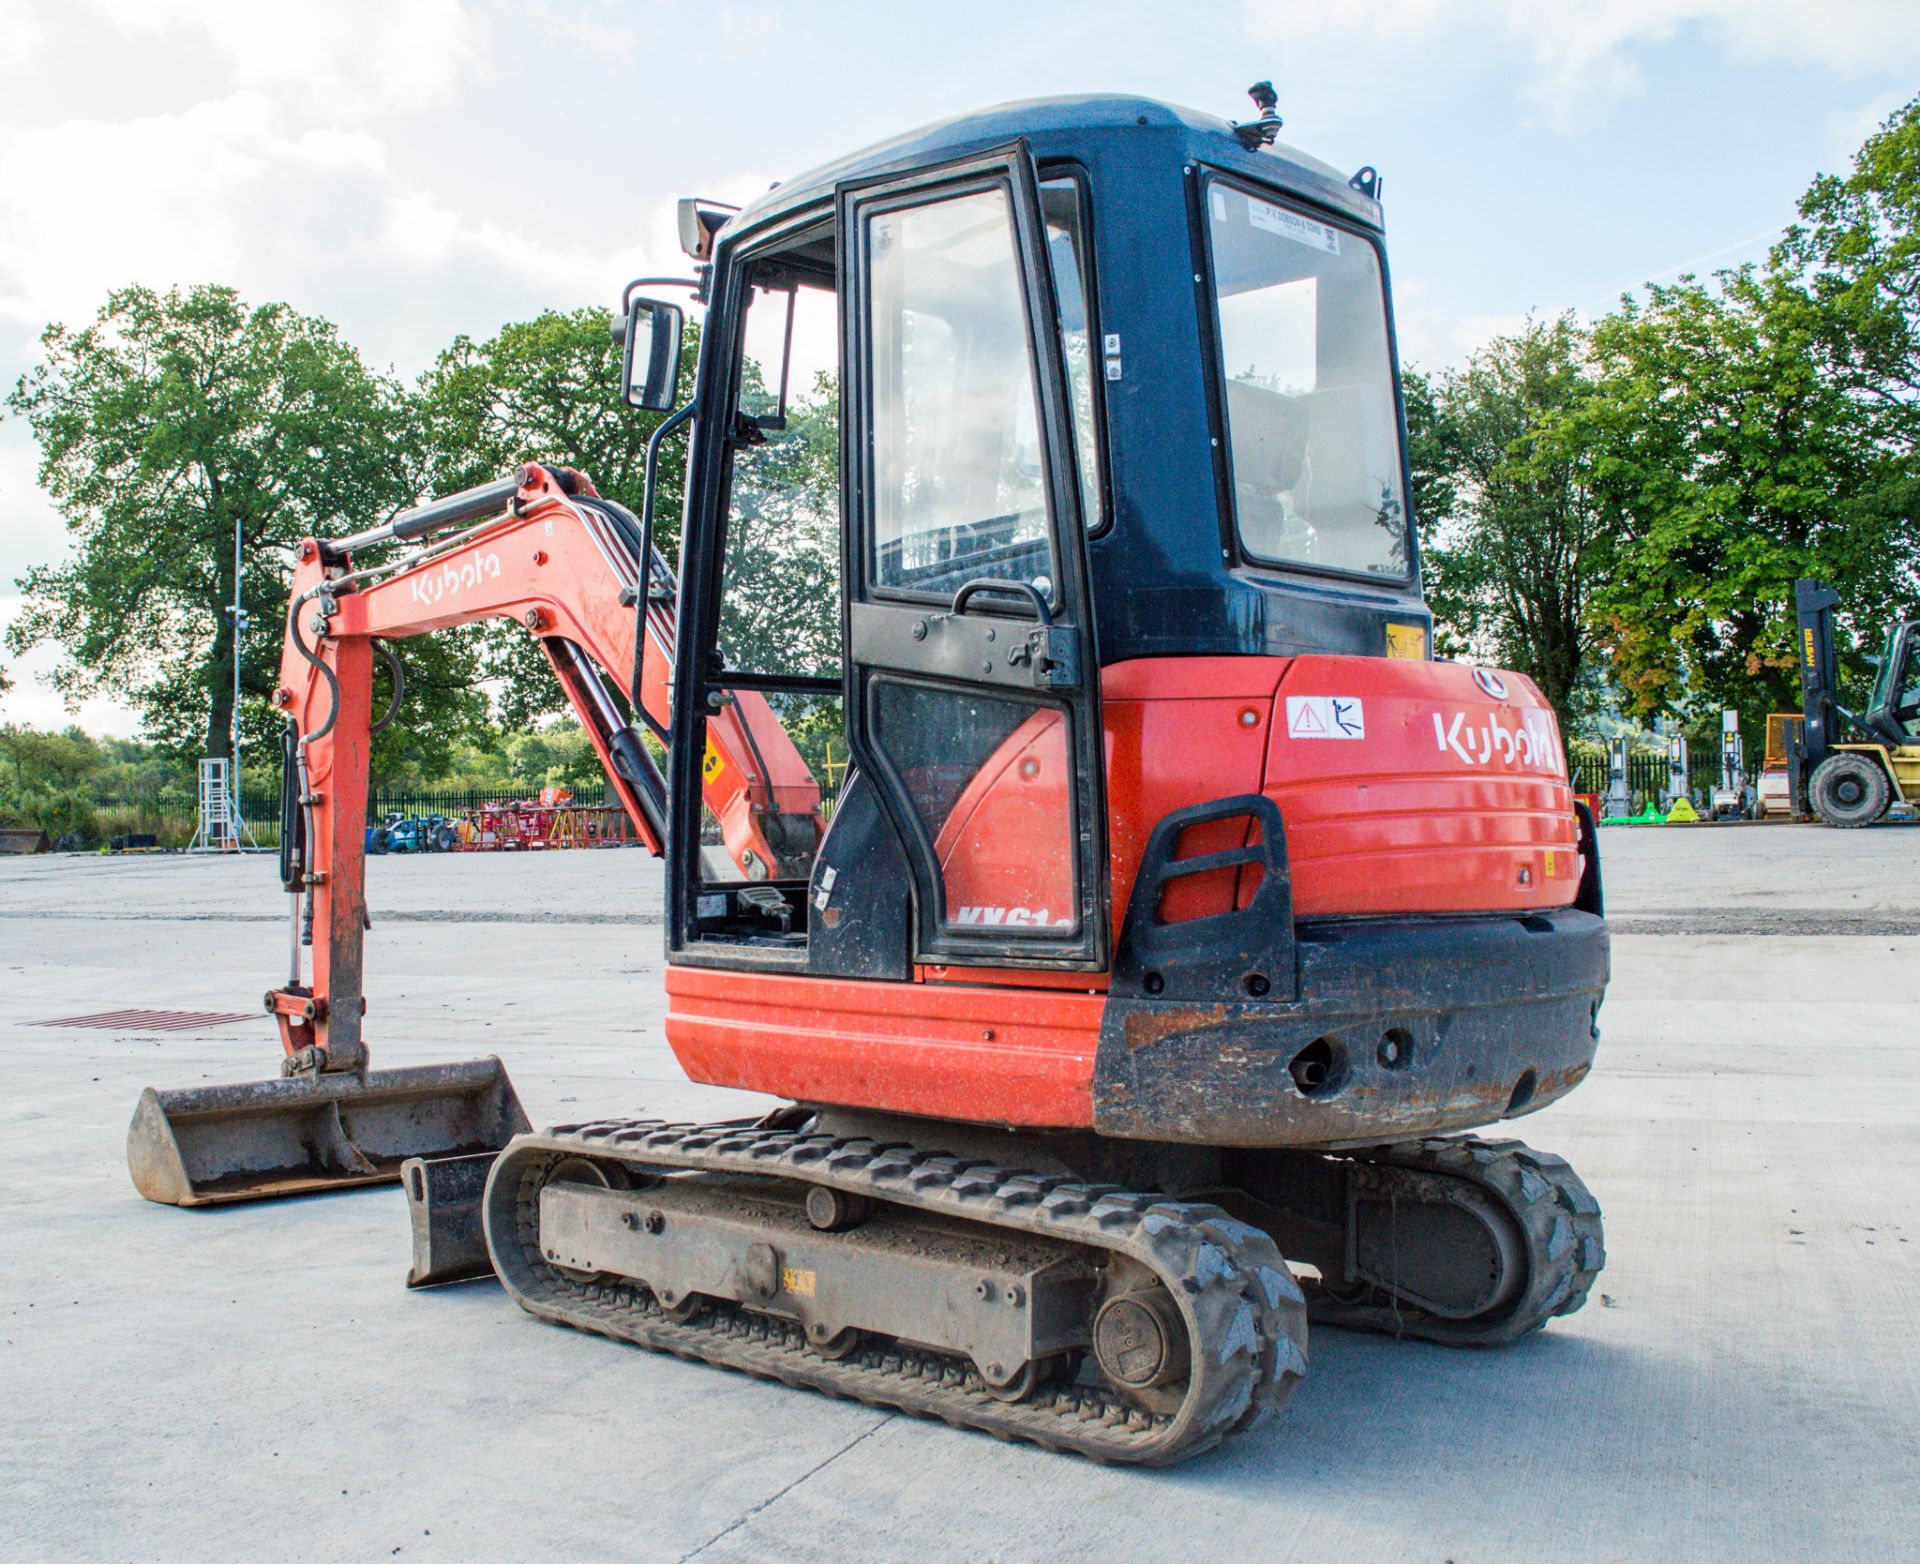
{"x": 1646, "y": 774}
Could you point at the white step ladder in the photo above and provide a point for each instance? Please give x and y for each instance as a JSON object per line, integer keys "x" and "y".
{"x": 221, "y": 823}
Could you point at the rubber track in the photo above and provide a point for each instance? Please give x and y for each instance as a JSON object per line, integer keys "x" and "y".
{"x": 1245, "y": 1314}
{"x": 1558, "y": 1218}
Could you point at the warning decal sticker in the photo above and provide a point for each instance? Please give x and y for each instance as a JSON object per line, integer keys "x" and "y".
{"x": 1326, "y": 717}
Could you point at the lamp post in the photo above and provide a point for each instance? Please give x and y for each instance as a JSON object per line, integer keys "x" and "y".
{"x": 240, "y": 622}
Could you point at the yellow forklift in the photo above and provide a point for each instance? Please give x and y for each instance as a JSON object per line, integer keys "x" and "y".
{"x": 1855, "y": 782}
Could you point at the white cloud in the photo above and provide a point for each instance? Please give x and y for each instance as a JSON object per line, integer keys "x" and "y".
{"x": 21, "y": 27}
{"x": 1846, "y": 131}
{"x": 345, "y": 57}
{"x": 227, "y": 191}
{"x": 587, "y": 33}
{"x": 1582, "y": 49}
{"x": 1432, "y": 338}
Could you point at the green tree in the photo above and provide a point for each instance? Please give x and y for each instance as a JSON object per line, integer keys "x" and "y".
{"x": 170, "y": 422}
{"x": 35, "y": 762}
{"x": 1760, "y": 429}
{"x": 546, "y": 390}
{"x": 1857, "y": 247}
{"x": 45, "y": 779}
{"x": 1856, "y": 254}
{"x": 1513, "y": 541}
{"x": 1728, "y": 465}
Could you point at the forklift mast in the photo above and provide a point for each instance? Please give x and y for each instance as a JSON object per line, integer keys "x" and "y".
{"x": 1819, "y": 671}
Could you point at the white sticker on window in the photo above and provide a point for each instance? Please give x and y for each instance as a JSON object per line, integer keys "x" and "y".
{"x": 1326, "y": 717}
{"x": 1291, "y": 225}
{"x": 1219, "y": 207}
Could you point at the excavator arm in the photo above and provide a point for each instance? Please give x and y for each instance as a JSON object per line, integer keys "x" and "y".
{"x": 552, "y": 555}
{"x": 540, "y": 548}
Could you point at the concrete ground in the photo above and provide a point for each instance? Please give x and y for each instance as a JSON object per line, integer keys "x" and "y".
{"x": 255, "y": 1383}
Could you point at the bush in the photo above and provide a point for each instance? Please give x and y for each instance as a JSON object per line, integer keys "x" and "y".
{"x": 62, "y": 815}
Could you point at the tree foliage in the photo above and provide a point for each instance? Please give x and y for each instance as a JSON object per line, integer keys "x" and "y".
{"x": 1729, "y": 465}
{"x": 546, "y": 390}
{"x": 1761, "y": 429}
{"x": 170, "y": 423}
{"x": 1514, "y": 544}
{"x": 1634, "y": 505}
{"x": 1858, "y": 249}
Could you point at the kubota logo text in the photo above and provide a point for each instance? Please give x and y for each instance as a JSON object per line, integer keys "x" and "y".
{"x": 450, "y": 580}
{"x": 1530, "y": 743}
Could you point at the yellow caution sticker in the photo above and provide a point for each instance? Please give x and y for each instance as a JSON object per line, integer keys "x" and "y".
{"x": 712, "y": 761}
{"x": 799, "y": 1283}
{"x": 1407, "y": 641}
{"x": 1549, "y": 865}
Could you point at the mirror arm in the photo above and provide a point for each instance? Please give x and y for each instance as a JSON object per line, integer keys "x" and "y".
{"x": 626, "y": 293}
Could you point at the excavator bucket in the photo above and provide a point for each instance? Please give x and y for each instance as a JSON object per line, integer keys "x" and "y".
{"x": 255, "y": 1140}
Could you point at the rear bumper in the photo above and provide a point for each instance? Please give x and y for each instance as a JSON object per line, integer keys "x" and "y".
{"x": 1423, "y": 1026}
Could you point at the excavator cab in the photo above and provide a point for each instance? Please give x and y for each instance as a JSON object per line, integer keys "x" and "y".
{"x": 1062, "y": 809}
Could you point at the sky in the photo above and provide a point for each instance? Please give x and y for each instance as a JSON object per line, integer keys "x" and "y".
{"x": 413, "y": 169}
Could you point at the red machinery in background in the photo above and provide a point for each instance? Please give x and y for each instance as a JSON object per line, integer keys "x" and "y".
{"x": 553, "y": 820}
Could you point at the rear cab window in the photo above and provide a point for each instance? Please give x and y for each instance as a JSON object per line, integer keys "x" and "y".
{"x": 1313, "y": 423}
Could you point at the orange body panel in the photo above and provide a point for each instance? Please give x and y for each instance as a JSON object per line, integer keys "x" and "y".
{"x": 1006, "y": 850}
{"x": 1446, "y": 797}
{"x": 1457, "y": 800}
{"x": 988, "y": 1055}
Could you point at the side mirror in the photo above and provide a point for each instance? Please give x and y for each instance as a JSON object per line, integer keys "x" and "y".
{"x": 651, "y": 374}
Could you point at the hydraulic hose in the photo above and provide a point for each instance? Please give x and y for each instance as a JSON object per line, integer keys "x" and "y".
{"x": 292, "y": 821}
{"x": 333, "y": 711}
{"x": 306, "y": 651}
{"x": 392, "y": 660}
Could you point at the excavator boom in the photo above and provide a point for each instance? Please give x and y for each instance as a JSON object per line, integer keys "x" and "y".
{"x": 546, "y": 551}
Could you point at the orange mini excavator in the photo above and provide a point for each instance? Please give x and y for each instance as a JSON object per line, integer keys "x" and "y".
{"x": 1134, "y": 984}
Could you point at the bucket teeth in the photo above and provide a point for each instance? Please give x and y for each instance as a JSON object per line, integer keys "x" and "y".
{"x": 256, "y": 1140}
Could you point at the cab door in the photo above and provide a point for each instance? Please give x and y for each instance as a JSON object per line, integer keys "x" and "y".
{"x": 972, "y": 678}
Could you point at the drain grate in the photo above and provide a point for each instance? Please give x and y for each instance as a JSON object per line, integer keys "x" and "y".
{"x": 149, "y": 1020}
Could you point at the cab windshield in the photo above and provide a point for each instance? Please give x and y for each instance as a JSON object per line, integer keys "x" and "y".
{"x": 1313, "y": 428}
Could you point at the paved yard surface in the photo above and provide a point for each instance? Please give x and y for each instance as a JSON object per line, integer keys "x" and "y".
{"x": 255, "y": 1383}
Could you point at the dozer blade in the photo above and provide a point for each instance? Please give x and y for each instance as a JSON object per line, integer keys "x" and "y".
{"x": 255, "y": 1140}
{"x": 443, "y": 1199}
